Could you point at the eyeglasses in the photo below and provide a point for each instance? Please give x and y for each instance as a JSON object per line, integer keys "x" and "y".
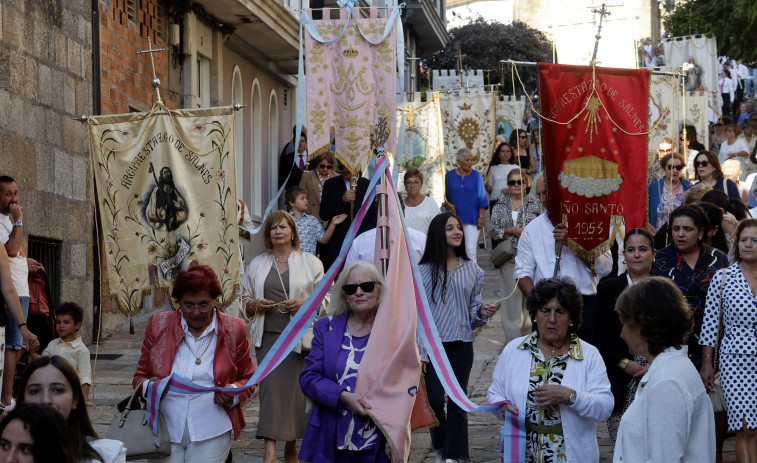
{"x": 202, "y": 306}
{"x": 325, "y": 166}
{"x": 366, "y": 286}
{"x": 523, "y": 136}
{"x": 514, "y": 182}
{"x": 701, "y": 163}
{"x": 665, "y": 151}
{"x": 678, "y": 168}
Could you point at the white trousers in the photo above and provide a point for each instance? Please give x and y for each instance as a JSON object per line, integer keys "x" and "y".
{"x": 512, "y": 311}
{"x": 471, "y": 233}
{"x": 213, "y": 450}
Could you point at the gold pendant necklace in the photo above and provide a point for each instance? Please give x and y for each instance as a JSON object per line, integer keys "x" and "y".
{"x": 197, "y": 358}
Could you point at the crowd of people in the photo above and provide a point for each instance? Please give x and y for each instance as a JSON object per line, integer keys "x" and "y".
{"x": 656, "y": 337}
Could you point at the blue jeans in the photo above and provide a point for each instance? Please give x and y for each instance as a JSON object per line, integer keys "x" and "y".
{"x": 751, "y": 82}
{"x": 13, "y": 338}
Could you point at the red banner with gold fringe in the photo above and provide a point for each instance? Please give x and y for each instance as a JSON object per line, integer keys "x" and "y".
{"x": 595, "y": 151}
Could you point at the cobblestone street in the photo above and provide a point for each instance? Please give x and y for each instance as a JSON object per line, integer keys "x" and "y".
{"x": 113, "y": 383}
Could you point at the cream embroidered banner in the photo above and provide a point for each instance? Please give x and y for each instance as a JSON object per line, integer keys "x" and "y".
{"x": 469, "y": 122}
{"x": 167, "y": 197}
{"x": 351, "y": 87}
{"x": 509, "y": 115}
{"x": 424, "y": 144}
{"x": 703, "y": 73}
{"x": 666, "y": 114}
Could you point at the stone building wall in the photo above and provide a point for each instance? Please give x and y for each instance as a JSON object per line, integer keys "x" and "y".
{"x": 46, "y": 81}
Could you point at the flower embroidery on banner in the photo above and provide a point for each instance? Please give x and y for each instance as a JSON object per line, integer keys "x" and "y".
{"x": 198, "y": 128}
{"x": 109, "y": 183}
{"x": 221, "y": 175}
{"x": 126, "y": 133}
{"x": 201, "y": 246}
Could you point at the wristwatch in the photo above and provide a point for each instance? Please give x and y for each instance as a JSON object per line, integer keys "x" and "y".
{"x": 623, "y": 364}
{"x": 19, "y": 224}
{"x": 572, "y": 398}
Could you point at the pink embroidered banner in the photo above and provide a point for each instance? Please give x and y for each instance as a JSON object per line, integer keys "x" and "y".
{"x": 351, "y": 87}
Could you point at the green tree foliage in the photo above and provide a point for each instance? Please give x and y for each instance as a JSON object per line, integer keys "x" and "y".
{"x": 485, "y": 43}
{"x": 732, "y": 22}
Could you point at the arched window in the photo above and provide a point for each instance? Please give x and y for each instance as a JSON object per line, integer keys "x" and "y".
{"x": 238, "y": 97}
{"x": 256, "y": 143}
{"x": 273, "y": 140}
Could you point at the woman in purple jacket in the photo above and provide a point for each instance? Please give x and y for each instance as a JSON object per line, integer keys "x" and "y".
{"x": 339, "y": 429}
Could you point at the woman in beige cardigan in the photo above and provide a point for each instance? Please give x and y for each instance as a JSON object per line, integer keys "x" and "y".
{"x": 274, "y": 287}
{"x": 312, "y": 182}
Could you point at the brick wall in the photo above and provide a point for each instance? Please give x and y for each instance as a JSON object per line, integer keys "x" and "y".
{"x": 45, "y": 81}
{"x": 125, "y": 75}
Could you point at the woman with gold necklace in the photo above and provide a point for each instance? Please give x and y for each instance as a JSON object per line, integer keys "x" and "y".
{"x": 274, "y": 287}
{"x": 555, "y": 378}
{"x": 666, "y": 194}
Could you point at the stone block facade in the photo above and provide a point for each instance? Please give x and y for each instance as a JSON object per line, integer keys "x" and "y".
{"x": 45, "y": 82}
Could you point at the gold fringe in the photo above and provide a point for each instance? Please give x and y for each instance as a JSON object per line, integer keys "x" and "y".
{"x": 617, "y": 227}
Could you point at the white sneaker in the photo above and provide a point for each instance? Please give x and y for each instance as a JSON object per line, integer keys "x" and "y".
{"x": 450, "y": 460}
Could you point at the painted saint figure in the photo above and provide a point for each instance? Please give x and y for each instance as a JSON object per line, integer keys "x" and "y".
{"x": 167, "y": 209}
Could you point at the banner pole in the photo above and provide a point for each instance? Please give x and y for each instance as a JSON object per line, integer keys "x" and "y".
{"x": 382, "y": 212}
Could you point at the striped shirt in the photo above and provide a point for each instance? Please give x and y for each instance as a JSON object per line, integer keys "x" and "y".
{"x": 457, "y": 316}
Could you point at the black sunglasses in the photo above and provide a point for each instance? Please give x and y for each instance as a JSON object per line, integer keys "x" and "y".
{"x": 678, "y": 168}
{"x": 523, "y": 136}
{"x": 701, "y": 163}
{"x": 366, "y": 286}
{"x": 514, "y": 182}
{"x": 326, "y": 166}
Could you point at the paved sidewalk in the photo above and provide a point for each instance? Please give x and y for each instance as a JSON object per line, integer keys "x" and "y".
{"x": 113, "y": 384}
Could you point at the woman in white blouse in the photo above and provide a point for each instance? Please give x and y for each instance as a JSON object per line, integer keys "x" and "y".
{"x": 503, "y": 161}
{"x": 734, "y": 148}
{"x": 670, "y": 419}
{"x": 419, "y": 208}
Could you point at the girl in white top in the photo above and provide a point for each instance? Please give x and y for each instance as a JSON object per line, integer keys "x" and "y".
{"x": 53, "y": 381}
{"x": 419, "y": 209}
{"x": 670, "y": 419}
{"x": 734, "y": 148}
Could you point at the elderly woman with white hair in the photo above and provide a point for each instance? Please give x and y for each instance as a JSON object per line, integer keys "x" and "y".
{"x": 466, "y": 193}
{"x": 339, "y": 428}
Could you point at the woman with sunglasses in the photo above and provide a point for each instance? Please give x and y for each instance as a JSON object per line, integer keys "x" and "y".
{"x": 312, "y": 182}
{"x": 689, "y": 147}
{"x": 666, "y": 194}
{"x": 656, "y": 170}
{"x": 718, "y": 136}
{"x": 339, "y": 429}
{"x": 525, "y": 157}
{"x": 274, "y": 287}
{"x": 509, "y": 217}
{"x": 453, "y": 285}
{"x": 709, "y": 172}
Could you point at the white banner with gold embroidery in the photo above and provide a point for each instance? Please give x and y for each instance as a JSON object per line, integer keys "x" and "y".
{"x": 167, "y": 197}
{"x": 468, "y": 122}
{"x": 351, "y": 87}
{"x": 666, "y": 114}
{"x": 509, "y": 114}
{"x": 424, "y": 144}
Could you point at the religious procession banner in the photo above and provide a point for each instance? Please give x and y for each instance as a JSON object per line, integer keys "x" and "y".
{"x": 595, "y": 139}
{"x": 666, "y": 113}
{"x": 167, "y": 198}
{"x": 509, "y": 114}
{"x": 423, "y": 144}
{"x": 469, "y": 121}
{"x": 700, "y": 55}
{"x": 351, "y": 69}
